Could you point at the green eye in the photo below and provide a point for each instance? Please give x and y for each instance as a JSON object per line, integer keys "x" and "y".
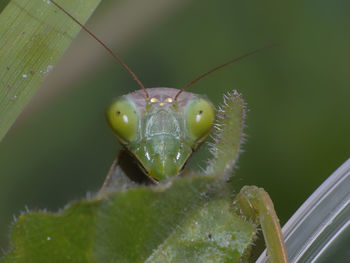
{"x": 200, "y": 118}
{"x": 123, "y": 120}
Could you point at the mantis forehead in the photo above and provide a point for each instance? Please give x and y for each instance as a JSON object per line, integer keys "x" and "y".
{"x": 160, "y": 96}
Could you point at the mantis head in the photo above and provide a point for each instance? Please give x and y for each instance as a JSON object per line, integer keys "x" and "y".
{"x": 159, "y": 131}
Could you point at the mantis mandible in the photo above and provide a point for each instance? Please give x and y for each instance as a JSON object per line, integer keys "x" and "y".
{"x": 160, "y": 128}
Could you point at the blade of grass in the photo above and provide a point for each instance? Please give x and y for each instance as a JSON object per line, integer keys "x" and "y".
{"x": 33, "y": 36}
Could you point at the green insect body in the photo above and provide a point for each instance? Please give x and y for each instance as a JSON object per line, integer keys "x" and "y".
{"x": 177, "y": 218}
{"x": 155, "y": 130}
{"x": 161, "y": 132}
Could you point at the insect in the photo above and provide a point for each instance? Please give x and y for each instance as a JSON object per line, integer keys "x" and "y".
{"x": 160, "y": 128}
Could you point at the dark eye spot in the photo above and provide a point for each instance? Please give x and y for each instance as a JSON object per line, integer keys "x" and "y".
{"x": 200, "y": 112}
{"x": 210, "y": 236}
{"x": 118, "y": 112}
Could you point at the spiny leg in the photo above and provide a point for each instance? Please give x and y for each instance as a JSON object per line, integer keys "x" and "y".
{"x": 255, "y": 205}
{"x": 228, "y": 136}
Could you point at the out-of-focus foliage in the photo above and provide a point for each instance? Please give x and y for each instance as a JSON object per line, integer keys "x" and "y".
{"x": 32, "y": 38}
{"x": 298, "y": 122}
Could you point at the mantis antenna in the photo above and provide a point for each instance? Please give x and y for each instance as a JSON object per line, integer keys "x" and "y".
{"x": 104, "y": 45}
{"x": 134, "y": 75}
{"x": 221, "y": 66}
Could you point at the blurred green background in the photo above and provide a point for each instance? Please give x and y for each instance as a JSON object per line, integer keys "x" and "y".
{"x": 297, "y": 94}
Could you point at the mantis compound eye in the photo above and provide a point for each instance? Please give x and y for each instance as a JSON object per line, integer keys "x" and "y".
{"x": 200, "y": 117}
{"x": 122, "y": 118}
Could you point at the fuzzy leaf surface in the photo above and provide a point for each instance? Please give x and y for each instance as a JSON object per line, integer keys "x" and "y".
{"x": 183, "y": 220}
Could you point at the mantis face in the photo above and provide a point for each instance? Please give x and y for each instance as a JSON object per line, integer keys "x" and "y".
{"x": 160, "y": 132}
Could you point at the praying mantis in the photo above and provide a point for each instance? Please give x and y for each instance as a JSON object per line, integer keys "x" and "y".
{"x": 159, "y": 129}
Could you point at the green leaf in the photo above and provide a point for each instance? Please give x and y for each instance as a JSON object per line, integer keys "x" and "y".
{"x": 33, "y": 36}
{"x": 186, "y": 219}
